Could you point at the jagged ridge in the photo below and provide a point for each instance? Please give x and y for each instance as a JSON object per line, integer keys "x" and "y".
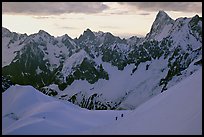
{"x": 171, "y": 51}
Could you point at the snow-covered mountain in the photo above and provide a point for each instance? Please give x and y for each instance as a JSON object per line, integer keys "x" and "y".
{"x": 178, "y": 111}
{"x": 101, "y": 71}
{"x": 161, "y": 26}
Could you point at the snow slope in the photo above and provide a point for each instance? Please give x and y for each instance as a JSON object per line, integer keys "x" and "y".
{"x": 28, "y": 111}
{"x": 11, "y": 43}
{"x": 123, "y": 87}
{"x": 73, "y": 61}
{"x": 175, "y": 111}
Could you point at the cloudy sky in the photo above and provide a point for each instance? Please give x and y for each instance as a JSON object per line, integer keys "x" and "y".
{"x": 122, "y": 19}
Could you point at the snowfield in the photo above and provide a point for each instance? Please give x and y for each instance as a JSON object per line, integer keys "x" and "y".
{"x": 177, "y": 110}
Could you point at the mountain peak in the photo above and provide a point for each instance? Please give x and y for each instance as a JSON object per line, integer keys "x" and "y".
{"x": 5, "y": 31}
{"x": 162, "y": 16}
{"x": 88, "y": 34}
{"x": 196, "y": 17}
{"x": 162, "y": 20}
{"x": 41, "y": 32}
{"x": 161, "y": 12}
{"x": 87, "y": 30}
{"x": 66, "y": 36}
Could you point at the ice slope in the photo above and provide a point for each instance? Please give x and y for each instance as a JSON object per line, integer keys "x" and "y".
{"x": 175, "y": 111}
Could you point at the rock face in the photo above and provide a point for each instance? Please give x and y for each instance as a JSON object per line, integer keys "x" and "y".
{"x": 101, "y": 71}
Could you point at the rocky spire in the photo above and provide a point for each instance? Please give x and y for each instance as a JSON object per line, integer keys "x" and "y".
{"x": 162, "y": 19}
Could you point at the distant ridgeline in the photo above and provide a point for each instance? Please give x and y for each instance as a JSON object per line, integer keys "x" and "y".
{"x": 59, "y": 66}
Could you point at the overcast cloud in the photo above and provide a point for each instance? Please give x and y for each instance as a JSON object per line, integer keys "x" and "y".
{"x": 166, "y": 6}
{"x": 52, "y": 8}
{"x": 57, "y": 8}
